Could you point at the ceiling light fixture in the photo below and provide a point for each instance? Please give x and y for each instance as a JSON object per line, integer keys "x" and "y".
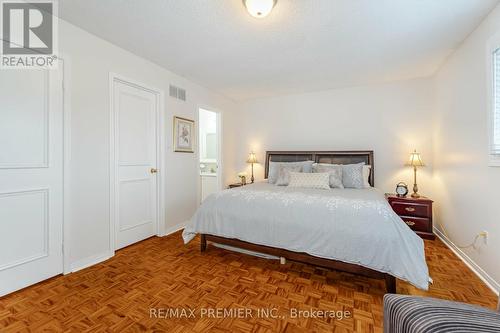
{"x": 259, "y": 8}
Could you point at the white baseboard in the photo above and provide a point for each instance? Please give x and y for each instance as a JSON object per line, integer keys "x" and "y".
{"x": 488, "y": 280}
{"x": 89, "y": 261}
{"x": 174, "y": 228}
{"x": 92, "y": 260}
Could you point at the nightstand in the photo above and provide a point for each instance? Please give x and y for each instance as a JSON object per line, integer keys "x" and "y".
{"x": 416, "y": 212}
{"x": 235, "y": 185}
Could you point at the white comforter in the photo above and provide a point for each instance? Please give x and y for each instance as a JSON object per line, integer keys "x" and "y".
{"x": 350, "y": 225}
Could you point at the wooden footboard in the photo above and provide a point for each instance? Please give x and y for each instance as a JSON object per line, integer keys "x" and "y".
{"x": 390, "y": 281}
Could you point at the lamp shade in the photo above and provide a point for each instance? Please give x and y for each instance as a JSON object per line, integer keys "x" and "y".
{"x": 252, "y": 158}
{"x": 415, "y": 160}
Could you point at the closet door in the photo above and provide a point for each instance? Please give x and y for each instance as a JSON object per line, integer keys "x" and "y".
{"x": 31, "y": 177}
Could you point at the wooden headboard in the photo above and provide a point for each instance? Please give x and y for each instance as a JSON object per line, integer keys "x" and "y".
{"x": 331, "y": 157}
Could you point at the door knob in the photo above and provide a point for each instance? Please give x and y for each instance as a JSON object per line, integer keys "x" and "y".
{"x": 153, "y": 170}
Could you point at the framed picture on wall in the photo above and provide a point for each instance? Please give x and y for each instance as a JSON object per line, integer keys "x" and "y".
{"x": 183, "y": 135}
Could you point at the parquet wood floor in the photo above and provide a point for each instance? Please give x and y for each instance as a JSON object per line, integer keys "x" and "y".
{"x": 117, "y": 295}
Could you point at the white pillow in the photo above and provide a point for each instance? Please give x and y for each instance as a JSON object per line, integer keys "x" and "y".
{"x": 334, "y": 170}
{"x": 284, "y": 174}
{"x": 274, "y": 169}
{"x": 310, "y": 180}
{"x": 366, "y": 175}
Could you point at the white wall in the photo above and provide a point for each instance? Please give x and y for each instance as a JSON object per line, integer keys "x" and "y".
{"x": 90, "y": 61}
{"x": 391, "y": 119}
{"x": 467, "y": 189}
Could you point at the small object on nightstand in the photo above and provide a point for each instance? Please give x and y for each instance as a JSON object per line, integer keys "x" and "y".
{"x": 415, "y": 212}
{"x": 401, "y": 190}
{"x": 235, "y": 185}
{"x": 243, "y": 177}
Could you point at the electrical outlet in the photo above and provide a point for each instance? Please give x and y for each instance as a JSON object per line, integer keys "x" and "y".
{"x": 485, "y": 235}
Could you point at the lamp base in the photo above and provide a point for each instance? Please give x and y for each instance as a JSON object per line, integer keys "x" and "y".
{"x": 415, "y": 194}
{"x": 252, "y": 179}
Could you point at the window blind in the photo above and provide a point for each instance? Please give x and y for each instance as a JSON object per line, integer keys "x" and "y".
{"x": 495, "y": 144}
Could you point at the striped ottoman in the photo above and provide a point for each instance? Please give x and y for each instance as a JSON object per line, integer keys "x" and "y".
{"x": 410, "y": 314}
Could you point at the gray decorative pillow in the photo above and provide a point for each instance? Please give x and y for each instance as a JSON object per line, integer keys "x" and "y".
{"x": 274, "y": 168}
{"x": 352, "y": 175}
{"x": 335, "y": 172}
{"x": 284, "y": 174}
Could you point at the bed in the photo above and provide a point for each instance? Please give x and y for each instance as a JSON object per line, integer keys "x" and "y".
{"x": 351, "y": 230}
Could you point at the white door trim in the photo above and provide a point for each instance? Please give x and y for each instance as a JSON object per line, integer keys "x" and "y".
{"x": 66, "y": 65}
{"x": 220, "y": 133}
{"x": 160, "y": 142}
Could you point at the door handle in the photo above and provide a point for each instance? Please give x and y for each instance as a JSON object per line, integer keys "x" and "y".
{"x": 153, "y": 170}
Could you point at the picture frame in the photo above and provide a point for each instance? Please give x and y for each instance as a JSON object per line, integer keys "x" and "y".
{"x": 184, "y": 137}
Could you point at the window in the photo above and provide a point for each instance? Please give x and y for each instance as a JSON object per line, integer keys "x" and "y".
{"x": 495, "y": 118}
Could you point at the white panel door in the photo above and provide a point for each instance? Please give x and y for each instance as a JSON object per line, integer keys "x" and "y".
{"x": 31, "y": 177}
{"x": 135, "y": 111}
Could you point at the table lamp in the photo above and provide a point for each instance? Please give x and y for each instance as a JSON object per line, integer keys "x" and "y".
{"x": 415, "y": 161}
{"x": 252, "y": 159}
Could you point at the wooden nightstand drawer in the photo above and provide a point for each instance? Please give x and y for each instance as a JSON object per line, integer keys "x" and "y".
{"x": 411, "y": 209}
{"x": 417, "y": 223}
{"x": 415, "y": 212}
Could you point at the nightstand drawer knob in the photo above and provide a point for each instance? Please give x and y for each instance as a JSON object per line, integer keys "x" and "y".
{"x": 409, "y": 209}
{"x": 410, "y": 223}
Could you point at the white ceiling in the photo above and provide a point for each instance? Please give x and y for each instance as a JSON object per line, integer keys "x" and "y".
{"x": 303, "y": 45}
